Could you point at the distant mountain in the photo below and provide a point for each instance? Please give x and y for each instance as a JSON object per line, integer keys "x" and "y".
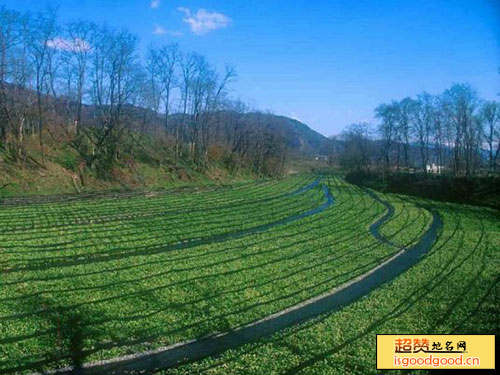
{"x": 300, "y": 138}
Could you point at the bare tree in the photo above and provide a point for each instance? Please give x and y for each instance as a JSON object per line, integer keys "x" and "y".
{"x": 438, "y": 130}
{"x": 152, "y": 92}
{"x": 188, "y": 64}
{"x": 14, "y": 79}
{"x": 78, "y": 53}
{"x": 358, "y": 148}
{"x": 422, "y": 119}
{"x": 460, "y": 104}
{"x": 404, "y": 129}
{"x": 202, "y": 86}
{"x": 114, "y": 67}
{"x": 490, "y": 112}
{"x": 388, "y": 114}
{"x": 166, "y": 60}
{"x": 42, "y": 30}
{"x": 215, "y": 101}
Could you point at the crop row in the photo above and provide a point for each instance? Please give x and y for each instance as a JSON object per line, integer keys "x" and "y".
{"x": 81, "y": 212}
{"x": 453, "y": 290}
{"x": 405, "y": 210}
{"x": 148, "y": 300}
{"x": 128, "y": 238}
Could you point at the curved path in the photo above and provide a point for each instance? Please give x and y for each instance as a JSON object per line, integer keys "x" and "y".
{"x": 196, "y": 349}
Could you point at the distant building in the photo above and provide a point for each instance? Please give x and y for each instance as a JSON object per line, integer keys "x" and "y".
{"x": 434, "y": 168}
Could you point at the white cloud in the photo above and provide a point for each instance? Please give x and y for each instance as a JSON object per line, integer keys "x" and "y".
{"x": 160, "y": 30}
{"x": 175, "y": 33}
{"x": 203, "y": 21}
{"x": 74, "y": 45}
{"x": 155, "y": 4}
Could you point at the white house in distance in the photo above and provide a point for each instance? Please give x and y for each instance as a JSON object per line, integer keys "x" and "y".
{"x": 434, "y": 168}
{"x": 321, "y": 158}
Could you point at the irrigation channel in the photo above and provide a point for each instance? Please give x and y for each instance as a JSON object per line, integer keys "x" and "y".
{"x": 197, "y": 349}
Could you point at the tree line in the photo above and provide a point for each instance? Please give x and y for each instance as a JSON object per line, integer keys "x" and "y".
{"x": 455, "y": 133}
{"x": 90, "y": 82}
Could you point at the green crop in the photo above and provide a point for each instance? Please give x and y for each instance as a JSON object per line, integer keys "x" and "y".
{"x": 454, "y": 289}
{"x": 110, "y": 275}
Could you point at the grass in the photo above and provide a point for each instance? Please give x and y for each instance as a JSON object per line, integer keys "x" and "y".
{"x": 406, "y": 212}
{"x": 59, "y": 177}
{"x": 108, "y": 275}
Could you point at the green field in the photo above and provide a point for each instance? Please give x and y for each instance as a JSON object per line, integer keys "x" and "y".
{"x": 101, "y": 276}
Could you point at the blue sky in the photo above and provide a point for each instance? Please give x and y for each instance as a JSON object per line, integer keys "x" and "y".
{"x": 327, "y": 63}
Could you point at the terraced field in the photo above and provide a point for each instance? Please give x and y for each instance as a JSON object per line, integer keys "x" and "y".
{"x": 105, "y": 276}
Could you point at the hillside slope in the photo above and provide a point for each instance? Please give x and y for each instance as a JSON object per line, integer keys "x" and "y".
{"x": 301, "y": 139}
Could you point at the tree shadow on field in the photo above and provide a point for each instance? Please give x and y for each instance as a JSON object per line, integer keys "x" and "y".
{"x": 64, "y": 345}
{"x": 237, "y": 249}
{"x": 198, "y": 255}
{"x": 417, "y": 295}
{"x": 193, "y": 239}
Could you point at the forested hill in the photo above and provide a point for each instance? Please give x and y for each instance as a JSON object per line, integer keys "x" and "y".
{"x": 150, "y": 149}
{"x": 299, "y": 138}
{"x": 80, "y": 102}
